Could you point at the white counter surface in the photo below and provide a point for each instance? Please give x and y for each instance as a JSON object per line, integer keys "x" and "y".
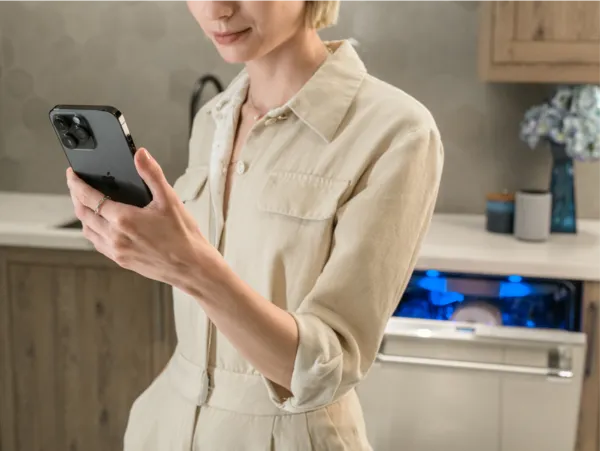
{"x": 456, "y": 243}
{"x": 460, "y": 243}
{"x": 32, "y": 220}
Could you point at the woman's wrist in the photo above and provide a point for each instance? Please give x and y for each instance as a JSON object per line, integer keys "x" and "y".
{"x": 206, "y": 275}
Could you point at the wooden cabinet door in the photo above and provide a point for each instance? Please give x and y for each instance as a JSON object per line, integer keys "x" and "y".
{"x": 7, "y": 420}
{"x": 84, "y": 338}
{"x": 540, "y": 41}
{"x": 589, "y": 417}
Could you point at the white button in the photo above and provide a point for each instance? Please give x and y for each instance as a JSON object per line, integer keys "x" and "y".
{"x": 240, "y": 167}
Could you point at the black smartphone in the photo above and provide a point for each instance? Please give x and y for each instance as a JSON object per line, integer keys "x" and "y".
{"x": 100, "y": 150}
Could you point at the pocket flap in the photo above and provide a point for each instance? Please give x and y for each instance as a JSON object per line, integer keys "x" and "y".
{"x": 189, "y": 185}
{"x": 302, "y": 196}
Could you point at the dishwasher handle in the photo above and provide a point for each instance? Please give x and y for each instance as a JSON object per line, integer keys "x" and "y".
{"x": 558, "y": 373}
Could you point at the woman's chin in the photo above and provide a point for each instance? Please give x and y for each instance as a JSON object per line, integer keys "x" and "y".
{"x": 236, "y": 54}
{"x": 241, "y": 51}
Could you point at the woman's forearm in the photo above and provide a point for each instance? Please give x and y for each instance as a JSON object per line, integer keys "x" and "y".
{"x": 264, "y": 334}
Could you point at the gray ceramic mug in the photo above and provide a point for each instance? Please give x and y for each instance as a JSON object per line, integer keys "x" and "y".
{"x": 533, "y": 210}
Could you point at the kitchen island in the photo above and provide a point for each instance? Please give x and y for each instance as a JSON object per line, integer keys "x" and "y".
{"x": 80, "y": 337}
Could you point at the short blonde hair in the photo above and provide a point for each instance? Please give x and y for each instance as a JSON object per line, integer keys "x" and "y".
{"x": 321, "y": 14}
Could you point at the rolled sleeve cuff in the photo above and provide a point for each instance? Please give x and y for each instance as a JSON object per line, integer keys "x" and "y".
{"x": 317, "y": 373}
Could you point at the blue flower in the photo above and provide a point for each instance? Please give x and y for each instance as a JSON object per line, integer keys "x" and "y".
{"x": 570, "y": 118}
{"x": 562, "y": 98}
{"x": 586, "y": 101}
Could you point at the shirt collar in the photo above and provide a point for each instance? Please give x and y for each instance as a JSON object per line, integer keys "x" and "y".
{"x": 323, "y": 101}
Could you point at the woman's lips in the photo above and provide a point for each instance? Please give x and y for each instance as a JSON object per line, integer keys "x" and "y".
{"x": 229, "y": 38}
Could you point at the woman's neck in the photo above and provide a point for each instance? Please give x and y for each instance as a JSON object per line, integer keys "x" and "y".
{"x": 277, "y": 76}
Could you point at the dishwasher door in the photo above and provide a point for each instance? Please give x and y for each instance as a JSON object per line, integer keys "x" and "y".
{"x": 451, "y": 386}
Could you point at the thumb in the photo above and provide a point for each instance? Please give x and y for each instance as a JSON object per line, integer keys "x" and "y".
{"x": 151, "y": 172}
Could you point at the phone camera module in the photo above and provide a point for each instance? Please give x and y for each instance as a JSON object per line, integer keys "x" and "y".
{"x": 80, "y": 133}
{"x": 69, "y": 141}
{"x": 74, "y": 131}
{"x": 61, "y": 124}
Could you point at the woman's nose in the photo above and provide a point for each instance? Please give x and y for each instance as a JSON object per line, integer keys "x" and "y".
{"x": 219, "y": 10}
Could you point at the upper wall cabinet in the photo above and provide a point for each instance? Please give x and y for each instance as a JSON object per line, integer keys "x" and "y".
{"x": 540, "y": 41}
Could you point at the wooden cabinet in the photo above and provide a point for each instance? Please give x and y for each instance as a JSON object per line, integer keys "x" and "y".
{"x": 80, "y": 338}
{"x": 7, "y": 420}
{"x": 540, "y": 41}
{"x": 588, "y": 438}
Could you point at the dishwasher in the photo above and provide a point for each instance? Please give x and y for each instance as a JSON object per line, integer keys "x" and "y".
{"x": 478, "y": 363}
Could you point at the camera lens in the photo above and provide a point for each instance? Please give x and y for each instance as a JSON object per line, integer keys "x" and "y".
{"x": 69, "y": 141}
{"x": 61, "y": 124}
{"x": 80, "y": 133}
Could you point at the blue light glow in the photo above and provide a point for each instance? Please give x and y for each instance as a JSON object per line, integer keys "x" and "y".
{"x": 445, "y": 298}
{"x": 520, "y": 301}
{"x": 433, "y": 284}
{"x": 513, "y": 290}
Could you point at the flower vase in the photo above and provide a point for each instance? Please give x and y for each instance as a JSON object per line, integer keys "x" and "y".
{"x": 562, "y": 188}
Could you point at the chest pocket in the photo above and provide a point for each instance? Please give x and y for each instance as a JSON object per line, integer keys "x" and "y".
{"x": 302, "y": 196}
{"x": 192, "y": 190}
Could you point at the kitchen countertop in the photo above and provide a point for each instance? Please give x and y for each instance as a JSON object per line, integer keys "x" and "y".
{"x": 33, "y": 220}
{"x": 455, "y": 242}
{"x": 460, "y": 243}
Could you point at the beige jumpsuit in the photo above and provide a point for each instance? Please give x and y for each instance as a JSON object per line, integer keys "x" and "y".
{"x": 331, "y": 199}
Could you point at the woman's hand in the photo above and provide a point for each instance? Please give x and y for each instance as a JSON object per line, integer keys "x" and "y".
{"x": 161, "y": 241}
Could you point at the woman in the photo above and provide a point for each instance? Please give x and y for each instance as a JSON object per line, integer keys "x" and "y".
{"x": 288, "y": 240}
